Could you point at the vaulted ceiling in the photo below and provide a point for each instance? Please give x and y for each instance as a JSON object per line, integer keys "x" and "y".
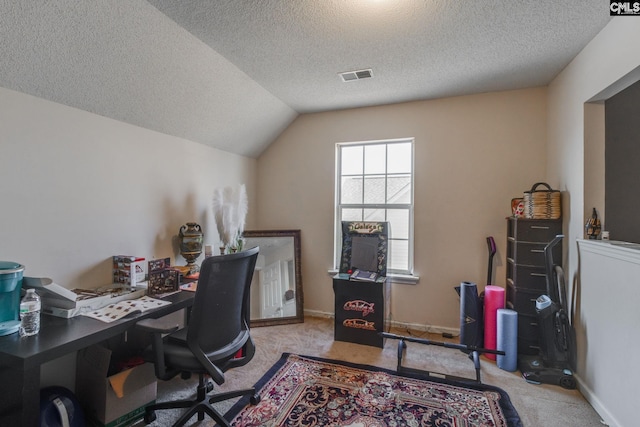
{"x": 233, "y": 74}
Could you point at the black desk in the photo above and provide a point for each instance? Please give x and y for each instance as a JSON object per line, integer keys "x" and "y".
{"x": 20, "y": 359}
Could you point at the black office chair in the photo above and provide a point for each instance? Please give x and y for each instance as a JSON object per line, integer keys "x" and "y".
{"x": 217, "y": 330}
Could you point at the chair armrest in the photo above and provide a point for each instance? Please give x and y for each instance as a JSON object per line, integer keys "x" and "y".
{"x": 214, "y": 372}
{"x": 157, "y": 328}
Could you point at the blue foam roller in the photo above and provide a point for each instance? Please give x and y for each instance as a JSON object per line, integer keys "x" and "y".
{"x": 507, "y": 335}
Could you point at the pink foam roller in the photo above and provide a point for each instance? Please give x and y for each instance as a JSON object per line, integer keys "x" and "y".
{"x": 493, "y": 301}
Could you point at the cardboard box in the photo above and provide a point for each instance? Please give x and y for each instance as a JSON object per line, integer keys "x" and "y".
{"x": 128, "y": 270}
{"x": 115, "y": 400}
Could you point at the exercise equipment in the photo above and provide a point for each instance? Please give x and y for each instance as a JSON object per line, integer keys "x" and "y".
{"x": 552, "y": 366}
{"x": 507, "y": 332}
{"x": 474, "y": 355}
{"x": 491, "y": 245}
{"x": 493, "y": 301}
{"x": 471, "y": 327}
{"x": 472, "y": 305}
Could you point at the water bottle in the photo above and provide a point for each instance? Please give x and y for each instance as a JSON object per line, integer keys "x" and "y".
{"x": 30, "y": 314}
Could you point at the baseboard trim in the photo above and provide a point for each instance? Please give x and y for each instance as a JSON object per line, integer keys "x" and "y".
{"x": 419, "y": 327}
{"x": 430, "y": 329}
{"x": 318, "y": 313}
{"x": 607, "y": 417}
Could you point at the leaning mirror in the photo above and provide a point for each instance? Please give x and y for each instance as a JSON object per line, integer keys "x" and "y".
{"x": 276, "y": 289}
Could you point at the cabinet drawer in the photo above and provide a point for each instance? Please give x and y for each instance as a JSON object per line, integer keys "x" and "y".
{"x": 528, "y": 253}
{"x": 527, "y": 276}
{"x": 534, "y": 230}
{"x": 522, "y": 300}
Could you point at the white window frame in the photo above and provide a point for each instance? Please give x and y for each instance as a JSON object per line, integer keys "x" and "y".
{"x": 406, "y": 276}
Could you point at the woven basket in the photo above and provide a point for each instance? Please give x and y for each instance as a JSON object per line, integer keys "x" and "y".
{"x": 542, "y": 204}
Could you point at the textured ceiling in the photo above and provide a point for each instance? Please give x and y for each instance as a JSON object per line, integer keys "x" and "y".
{"x": 234, "y": 73}
{"x": 417, "y": 49}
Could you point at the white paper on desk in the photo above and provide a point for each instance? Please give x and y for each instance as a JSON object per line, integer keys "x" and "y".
{"x": 113, "y": 312}
{"x": 48, "y": 288}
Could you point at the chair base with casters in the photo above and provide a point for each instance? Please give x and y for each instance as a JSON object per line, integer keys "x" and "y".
{"x": 171, "y": 346}
{"x": 201, "y": 404}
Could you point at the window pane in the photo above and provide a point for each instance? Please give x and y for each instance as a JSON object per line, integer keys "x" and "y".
{"x": 351, "y": 190}
{"x": 376, "y": 183}
{"x": 399, "y": 189}
{"x": 374, "y": 215}
{"x": 375, "y": 159}
{"x": 399, "y": 160}
{"x": 399, "y": 223}
{"x": 351, "y": 215}
{"x": 399, "y": 251}
{"x": 351, "y": 158}
{"x": 374, "y": 189}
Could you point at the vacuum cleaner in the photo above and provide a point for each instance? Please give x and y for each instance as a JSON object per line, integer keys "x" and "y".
{"x": 556, "y": 339}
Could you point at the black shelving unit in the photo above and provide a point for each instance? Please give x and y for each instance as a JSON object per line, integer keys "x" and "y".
{"x": 526, "y": 274}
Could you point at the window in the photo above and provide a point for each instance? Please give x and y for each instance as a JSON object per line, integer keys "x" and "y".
{"x": 374, "y": 182}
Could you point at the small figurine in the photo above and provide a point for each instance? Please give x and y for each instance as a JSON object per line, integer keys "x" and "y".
{"x": 592, "y": 227}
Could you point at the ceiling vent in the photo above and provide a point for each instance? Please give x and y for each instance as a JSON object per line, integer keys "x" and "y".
{"x": 349, "y": 76}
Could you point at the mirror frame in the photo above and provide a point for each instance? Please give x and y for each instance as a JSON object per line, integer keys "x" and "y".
{"x": 299, "y": 317}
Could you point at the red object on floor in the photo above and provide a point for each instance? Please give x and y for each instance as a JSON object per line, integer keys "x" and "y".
{"x": 493, "y": 300}
{"x": 130, "y": 363}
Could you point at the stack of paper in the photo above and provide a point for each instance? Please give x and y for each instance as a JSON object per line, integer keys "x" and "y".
{"x": 62, "y": 302}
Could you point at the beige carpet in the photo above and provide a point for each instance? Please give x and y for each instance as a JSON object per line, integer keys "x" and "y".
{"x": 537, "y": 405}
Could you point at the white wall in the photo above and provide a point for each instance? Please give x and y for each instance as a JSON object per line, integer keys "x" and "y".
{"x": 77, "y": 188}
{"x": 607, "y": 59}
{"x": 472, "y": 155}
{"x": 607, "y": 372}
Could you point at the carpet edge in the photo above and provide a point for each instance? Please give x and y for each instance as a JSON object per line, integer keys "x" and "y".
{"x": 509, "y": 411}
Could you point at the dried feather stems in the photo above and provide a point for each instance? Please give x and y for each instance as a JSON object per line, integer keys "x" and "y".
{"x": 230, "y": 210}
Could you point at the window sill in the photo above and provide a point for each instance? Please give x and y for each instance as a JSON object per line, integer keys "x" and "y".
{"x": 405, "y": 279}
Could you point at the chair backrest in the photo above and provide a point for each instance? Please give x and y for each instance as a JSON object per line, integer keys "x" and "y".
{"x": 219, "y": 315}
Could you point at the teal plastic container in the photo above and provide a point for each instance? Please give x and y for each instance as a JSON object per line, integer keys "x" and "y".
{"x": 10, "y": 288}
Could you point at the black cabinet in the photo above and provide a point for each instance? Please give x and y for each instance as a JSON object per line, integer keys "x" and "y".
{"x": 361, "y": 310}
{"x": 526, "y": 274}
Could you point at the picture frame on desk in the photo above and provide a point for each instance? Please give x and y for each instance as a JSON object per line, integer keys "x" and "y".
{"x": 162, "y": 277}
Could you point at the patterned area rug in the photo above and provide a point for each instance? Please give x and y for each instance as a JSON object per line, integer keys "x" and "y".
{"x": 308, "y": 391}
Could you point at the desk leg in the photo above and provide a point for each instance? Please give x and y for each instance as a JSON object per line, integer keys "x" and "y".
{"x": 19, "y": 394}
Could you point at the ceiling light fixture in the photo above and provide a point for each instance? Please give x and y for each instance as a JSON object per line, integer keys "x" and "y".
{"x": 350, "y": 76}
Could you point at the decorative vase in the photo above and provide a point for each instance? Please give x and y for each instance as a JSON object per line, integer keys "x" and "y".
{"x": 191, "y": 237}
{"x": 593, "y": 227}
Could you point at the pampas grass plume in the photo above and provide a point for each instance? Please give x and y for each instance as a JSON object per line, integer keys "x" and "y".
{"x": 230, "y": 209}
